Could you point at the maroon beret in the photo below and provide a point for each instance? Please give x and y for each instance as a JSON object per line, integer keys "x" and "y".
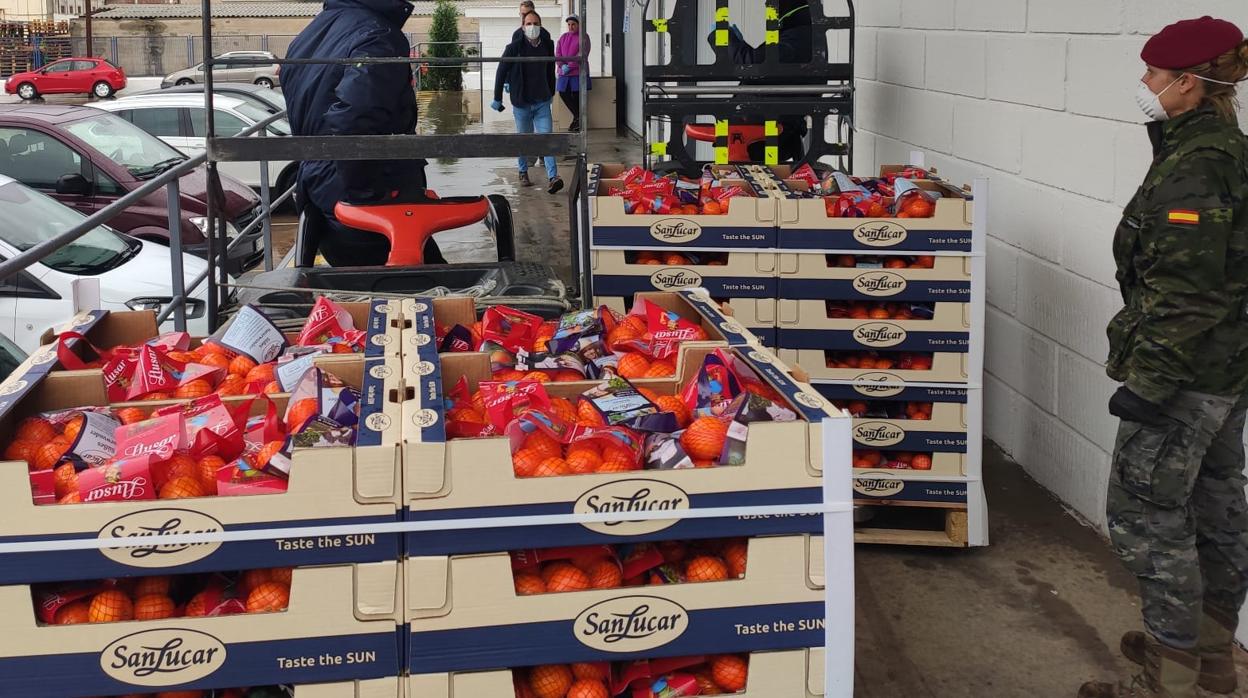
{"x": 1190, "y": 43}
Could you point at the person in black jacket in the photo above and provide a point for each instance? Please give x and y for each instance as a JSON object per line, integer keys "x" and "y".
{"x": 368, "y": 99}
{"x": 532, "y": 91}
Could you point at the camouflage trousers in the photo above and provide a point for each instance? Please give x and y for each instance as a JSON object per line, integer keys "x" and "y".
{"x": 1177, "y": 512}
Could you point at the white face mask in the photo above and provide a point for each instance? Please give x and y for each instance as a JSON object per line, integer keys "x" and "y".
{"x": 1150, "y": 103}
{"x": 532, "y": 31}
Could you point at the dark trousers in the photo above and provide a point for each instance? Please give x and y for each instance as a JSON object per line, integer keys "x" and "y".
{"x": 572, "y": 99}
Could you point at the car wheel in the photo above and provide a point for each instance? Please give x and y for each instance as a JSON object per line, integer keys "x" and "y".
{"x": 185, "y": 81}
{"x": 102, "y": 90}
{"x": 264, "y": 82}
{"x": 27, "y": 91}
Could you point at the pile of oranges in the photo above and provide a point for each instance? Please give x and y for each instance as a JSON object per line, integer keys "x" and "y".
{"x": 900, "y": 460}
{"x": 182, "y": 596}
{"x": 918, "y": 411}
{"x": 672, "y": 259}
{"x": 720, "y": 674}
{"x": 242, "y": 375}
{"x": 880, "y": 360}
{"x": 849, "y": 261}
{"x": 879, "y": 310}
{"x": 684, "y": 562}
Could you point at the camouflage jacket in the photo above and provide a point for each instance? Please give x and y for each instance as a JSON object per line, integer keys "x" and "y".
{"x": 1182, "y": 255}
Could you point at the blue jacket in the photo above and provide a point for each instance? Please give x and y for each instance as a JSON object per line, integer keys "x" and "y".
{"x": 352, "y": 100}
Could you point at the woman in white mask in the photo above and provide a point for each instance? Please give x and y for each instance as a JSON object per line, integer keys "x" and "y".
{"x": 532, "y": 89}
{"x": 1175, "y": 507}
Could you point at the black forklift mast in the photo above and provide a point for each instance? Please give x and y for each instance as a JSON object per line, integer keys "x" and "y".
{"x": 746, "y": 86}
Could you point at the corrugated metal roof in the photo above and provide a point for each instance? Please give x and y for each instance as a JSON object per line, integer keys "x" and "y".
{"x": 257, "y": 8}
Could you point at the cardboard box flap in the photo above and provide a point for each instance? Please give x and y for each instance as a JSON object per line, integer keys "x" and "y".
{"x": 815, "y": 572}
{"x": 376, "y": 453}
{"x": 368, "y": 688}
{"x": 83, "y": 322}
{"x": 700, "y": 300}
{"x": 808, "y": 402}
{"x": 815, "y": 672}
{"x": 424, "y": 464}
{"x": 377, "y": 590}
{"x": 428, "y": 587}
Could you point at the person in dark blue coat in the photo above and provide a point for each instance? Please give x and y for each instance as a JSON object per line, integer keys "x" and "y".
{"x": 532, "y": 89}
{"x": 356, "y": 100}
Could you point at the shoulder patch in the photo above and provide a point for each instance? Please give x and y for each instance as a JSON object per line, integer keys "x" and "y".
{"x": 1183, "y": 217}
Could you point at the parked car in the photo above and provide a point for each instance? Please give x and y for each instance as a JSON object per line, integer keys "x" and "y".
{"x": 87, "y": 158}
{"x": 266, "y": 98}
{"x": 11, "y": 356}
{"x": 133, "y": 274}
{"x": 87, "y": 76}
{"x": 180, "y": 120}
{"x": 263, "y": 75}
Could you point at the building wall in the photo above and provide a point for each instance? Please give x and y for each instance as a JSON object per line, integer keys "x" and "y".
{"x": 25, "y": 10}
{"x": 1038, "y": 96}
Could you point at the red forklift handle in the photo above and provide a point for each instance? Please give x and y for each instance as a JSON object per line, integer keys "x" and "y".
{"x": 409, "y": 226}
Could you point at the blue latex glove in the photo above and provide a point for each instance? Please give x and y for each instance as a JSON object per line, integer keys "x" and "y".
{"x": 507, "y": 87}
{"x": 496, "y": 105}
{"x": 565, "y": 69}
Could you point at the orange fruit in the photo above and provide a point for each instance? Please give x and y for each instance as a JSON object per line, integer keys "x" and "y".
{"x": 661, "y": 369}
{"x": 302, "y": 411}
{"x": 208, "y": 468}
{"x": 260, "y": 374}
{"x": 564, "y": 576}
{"x": 730, "y": 672}
{"x": 921, "y": 462}
{"x": 592, "y": 671}
{"x": 707, "y": 685}
{"x": 196, "y": 388}
{"x": 583, "y": 461}
{"x": 706, "y": 568}
{"x": 233, "y": 384}
{"x": 216, "y": 361}
{"x": 70, "y": 498}
{"x": 242, "y": 365}
{"x": 130, "y": 415}
{"x": 584, "y": 447}
{"x": 588, "y": 688}
{"x": 550, "y": 680}
{"x": 22, "y": 450}
{"x": 736, "y": 554}
{"x": 197, "y": 607}
{"x": 538, "y": 376}
{"x": 182, "y": 488}
{"x": 712, "y": 208}
{"x": 157, "y": 395}
{"x": 272, "y": 388}
{"x": 181, "y": 465}
{"x": 528, "y": 584}
{"x": 282, "y": 575}
{"x": 466, "y": 414}
{"x": 671, "y": 403}
{"x": 879, "y": 314}
{"x": 109, "y": 607}
{"x": 268, "y": 597}
{"x": 605, "y": 574}
{"x": 704, "y": 439}
{"x": 73, "y": 613}
{"x": 588, "y": 415}
{"x": 509, "y": 374}
{"x": 65, "y": 480}
{"x": 153, "y": 607}
{"x": 269, "y": 450}
{"x": 211, "y": 348}
{"x": 563, "y": 408}
{"x": 50, "y": 453}
{"x": 673, "y": 551}
{"x": 648, "y": 394}
{"x": 544, "y": 444}
{"x": 615, "y": 466}
{"x": 525, "y": 461}
{"x": 74, "y": 427}
{"x": 35, "y": 429}
{"x": 568, "y": 375}
{"x": 552, "y": 467}
{"x": 633, "y": 365}
{"x": 637, "y": 322}
{"x": 253, "y": 578}
{"x": 146, "y": 586}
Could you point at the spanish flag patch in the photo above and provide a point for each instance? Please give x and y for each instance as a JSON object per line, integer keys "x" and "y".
{"x": 1184, "y": 217}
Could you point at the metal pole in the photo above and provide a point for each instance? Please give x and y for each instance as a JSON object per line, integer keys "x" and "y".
{"x": 582, "y": 164}
{"x": 266, "y": 213}
{"x": 214, "y": 183}
{"x": 661, "y": 91}
{"x": 173, "y": 196}
{"x": 87, "y": 15}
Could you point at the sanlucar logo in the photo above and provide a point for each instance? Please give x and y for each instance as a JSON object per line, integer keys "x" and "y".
{"x": 160, "y": 522}
{"x": 15, "y": 387}
{"x": 627, "y": 496}
{"x": 631, "y": 624}
{"x": 879, "y": 283}
{"x": 675, "y": 230}
{"x": 880, "y": 234}
{"x": 879, "y": 334}
{"x": 381, "y": 372}
{"x": 878, "y": 434}
{"x": 380, "y": 340}
{"x": 878, "y": 384}
{"x": 425, "y": 418}
{"x": 164, "y": 657}
{"x": 423, "y": 368}
{"x": 882, "y": 486}
{"x": 675, "y": 277}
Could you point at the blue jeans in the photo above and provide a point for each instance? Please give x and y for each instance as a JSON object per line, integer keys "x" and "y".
{"x": 535, "y": 118}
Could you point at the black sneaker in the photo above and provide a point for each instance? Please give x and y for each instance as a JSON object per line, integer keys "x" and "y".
{"x": 556, "y": 185}
{"x": 524, "y": 180}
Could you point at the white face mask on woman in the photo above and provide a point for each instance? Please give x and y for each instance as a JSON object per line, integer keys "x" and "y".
{"x": 1150, "y": 103}
{"x": 532, "y": 32}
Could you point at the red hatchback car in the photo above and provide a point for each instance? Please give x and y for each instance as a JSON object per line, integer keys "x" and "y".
{"x": 88, "y": 76}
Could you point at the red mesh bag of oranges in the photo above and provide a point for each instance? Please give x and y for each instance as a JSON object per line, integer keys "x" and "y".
{"x": 331, "y": 326}
{"x": 581, "y": 568}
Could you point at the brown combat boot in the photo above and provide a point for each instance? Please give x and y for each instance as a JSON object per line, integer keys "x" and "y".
{"x": 1214, "y": 647}
{"x": 1168, "y": 673}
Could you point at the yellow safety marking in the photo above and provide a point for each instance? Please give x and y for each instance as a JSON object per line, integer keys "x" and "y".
{"x": 721, "y": 14}
{"x": 770, "y": 128}
{"x": 771, "y": 155}
{"x": 660, "y": 25}
{"x": 721, "y": 155}
{"x": 721, "y": 128}
{"x": 658, "y": 149}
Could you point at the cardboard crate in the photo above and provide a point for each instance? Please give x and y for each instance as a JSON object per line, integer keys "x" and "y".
{"x": 469, "y": 478}
{"x": 464, "y": 613}
{"x": 947, "y": 367}
{"x": 805, "y": 225}
{"x": 743, "y": 275}
{"x": 775, "y": 176}
{"x": 811, "y": 276}
{"x": 749, "y": 223}
{"x": 744, "y": 322}
{"x": 105, "y": 329}
{"x": 777, "y": 674}
{"x": 389, "y": 687}
{"x": 341, "y": 625}
{"x": 328, "y": 486}
{"x": 805, "y": 324}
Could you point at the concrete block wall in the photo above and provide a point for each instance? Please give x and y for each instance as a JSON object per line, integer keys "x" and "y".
{"x": 1038, "y": 96}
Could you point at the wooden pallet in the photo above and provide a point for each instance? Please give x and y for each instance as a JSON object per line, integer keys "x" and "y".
{"x": 914, "y": 525}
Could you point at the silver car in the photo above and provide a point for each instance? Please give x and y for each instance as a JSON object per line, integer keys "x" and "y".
{"x": 263, "y": 75}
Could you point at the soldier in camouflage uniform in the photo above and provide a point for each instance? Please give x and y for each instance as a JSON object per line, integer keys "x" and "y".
{"x": 1176, "y": 507}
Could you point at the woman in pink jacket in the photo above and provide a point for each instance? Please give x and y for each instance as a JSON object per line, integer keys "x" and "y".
{"x": 569, "y": 83}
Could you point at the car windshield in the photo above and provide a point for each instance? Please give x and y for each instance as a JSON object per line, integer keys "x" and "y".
{"x": 280, "y": 127}
{"x": 11, "y": 356}
{"x": 28, "y": 218}
{"x": 143, "y": 154}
